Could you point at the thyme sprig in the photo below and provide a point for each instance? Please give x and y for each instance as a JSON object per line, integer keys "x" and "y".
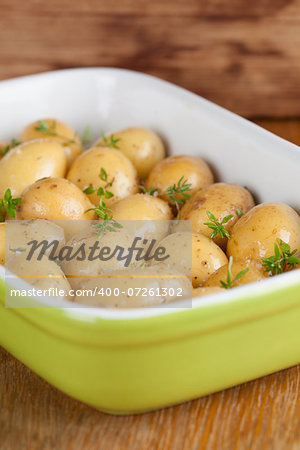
{"x": 101, "y": 191}
{"x": 8, "y": 205}
{"x": 282, "y": 259}
{"x": 109, "y": 142}
{"x": 218, "y": 227}
{"x": 50, "y": 130}
{"x": 228, "y": 284}
{"x": 182, "y": 187}
{"x": 13, "y": 143}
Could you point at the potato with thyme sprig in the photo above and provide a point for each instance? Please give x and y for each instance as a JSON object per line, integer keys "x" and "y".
{"x": 219, "y": 205}
{"x": 169, "y": 171}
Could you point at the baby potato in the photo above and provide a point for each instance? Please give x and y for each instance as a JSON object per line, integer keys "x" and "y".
{"x": 141, "y": 208}
{"x": 54, "y": 199}
{"x": 158, "y": 288}
{"x": 143, "y": 147}
{"x": 20, "y": 233}
{"x": 255, "y": 273}
{"x": 59, "y": 132}
{"x": 221, "y": 199}
{"x": 44, "y": 274}
{"x": 170, "y": 170}
{"x": 203, "y": 291}
{"x": 254, "y": 235}
{"x": 80, "y": 271}
{"x": 2, "y": 243}
{"x": 29, "y": 162}
{"x": 193, "y": 254}
{"x": 85, "y": 171}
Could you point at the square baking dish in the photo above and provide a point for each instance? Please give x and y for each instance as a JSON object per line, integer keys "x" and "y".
{"x": 132, "y": 361}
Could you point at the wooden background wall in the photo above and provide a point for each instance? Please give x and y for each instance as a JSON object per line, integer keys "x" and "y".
{"x": 242, "y": 54}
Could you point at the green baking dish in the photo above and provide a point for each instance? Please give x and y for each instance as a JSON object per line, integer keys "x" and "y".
{"x": 132, "y": 361}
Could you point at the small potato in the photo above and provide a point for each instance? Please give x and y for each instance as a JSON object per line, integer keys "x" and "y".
{"x": 141, "y": 208}
{"x": 29, "y": 162}
{"x": 221, "y": 199}
{"x": 85, "y": 171}
{"x": 20, "y": 233}
{"x": 143, "y": 147}
{"x": 254, "y": 235}
{"x": 255, "y": 273}
{"x": 2, "y": 243}
{"x": 54, "y": 199}
{"x": 44, "y": 274}
{"x": 170, "y": 170}
{"x": 158, "y": 288}
{"x": 80, "y": 271}
{"x": 193, "y": 254}
{"x": 59, "y": 132}
{"x": 203, "y": 291}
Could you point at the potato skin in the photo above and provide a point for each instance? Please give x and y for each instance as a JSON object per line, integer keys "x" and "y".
{"x": 203, "y": 291}
{"x": 86, "y": 169}
{"x": 254, "y": 235}
{"x": 186, "y": 249}
{"x": 131, "y": 279}
{"x": 169, "y": 171}
{"x": 2, "y": 243}
{"x": 29, "y": 162}
{"x": 54, "y": 199}
{"x": 255, "y": 273}
{"x": 34, "y": 272}
{"x": 60, "y": 132}
{"x": 221, "y": 199}
{"x": 143, "y": 148}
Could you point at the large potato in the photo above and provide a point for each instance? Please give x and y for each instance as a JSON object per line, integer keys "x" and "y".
{"x": 59, "y": 132}
{"x": 254, "y": 235}
{"x": 221, "y": 199}
{"x": 79, "y": 271}
{"x": 85, "y": 171}
{"x": 2, "y": 243}
{"x": 20, "y": 233}
{"x": 154, "y": 290}
{"x": 44, "y": 274}
{"x": 193, "y": 255}
{"x": 54, "y": 199}
{"x": 148, "y": 214}
{"x": 170, "y": 170}
{"x": 143, "y": 147}
{"x": 29, "y": 162}
{"x": 255, "y": 273}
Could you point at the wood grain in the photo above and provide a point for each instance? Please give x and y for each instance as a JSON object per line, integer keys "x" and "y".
{"x": 262, "y": 414}
{"x": 241, "y": 54}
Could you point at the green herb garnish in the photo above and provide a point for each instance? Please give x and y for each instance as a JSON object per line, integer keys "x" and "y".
{"x": 8, "y": 205}
{"x": 50, "y": 130}
{"x": 101, "y": 191}
{"x": 282, "y": 259}
{"x": 87, "y": 136}
{"x": 150, "y": 191}
{"x": 218, "y": 227}
{"x": 228, "y": 284}
{"x": 111, "y": 142}
{"x": 239, "y": 212}
{"x": 182, "y": 188}
{"x": 13, "y": 143}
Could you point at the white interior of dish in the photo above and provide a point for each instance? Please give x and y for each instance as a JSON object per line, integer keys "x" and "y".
{"x": 111, "y": 99}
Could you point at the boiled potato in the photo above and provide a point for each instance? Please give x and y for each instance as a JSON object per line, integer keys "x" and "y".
{"x": 170, "y": 170}
{"x": 85, "y": 171}
{"x": 147, "y": 213}
{"x": 254, "y": 235}
{"x": 54, "y": 199}
{"x": 203, "y": 291}
{"x": 143, "y": 147}
{"x": 2, "y": 243}
{"x": 59, "y": 132}
{"x": 221, "y": 199}
{"x": 44, "y": 274}
{"x": 29, "y": 162}
{"x": 193, "y": 255}
{"x": 79, "y": 271}
{"x": 20, "y": 233}
{"x": 255, "y": 273}
{"x": 176, "y": 286}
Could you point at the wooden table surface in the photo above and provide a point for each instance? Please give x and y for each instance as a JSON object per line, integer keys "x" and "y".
{"x": 262, "y": 414}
